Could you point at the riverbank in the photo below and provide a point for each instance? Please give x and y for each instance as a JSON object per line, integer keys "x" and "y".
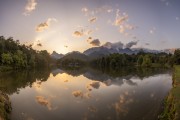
{"x": 5, "y": 68}
{"x": 5, "y": 106}
{"x": 172, "y": 102}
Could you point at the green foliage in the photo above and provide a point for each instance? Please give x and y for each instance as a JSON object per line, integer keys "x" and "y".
{"x": 140, "y": 60}
{"x": 20, "y": 59}
{"x": 146, "y": 61}
{"x": 116, "y": 61}
{"x": 6, "y": 58}
{"x": 18, "y": 56}
{"x": 172, "y": 104}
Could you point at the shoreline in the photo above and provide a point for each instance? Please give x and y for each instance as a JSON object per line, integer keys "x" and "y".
{"x": 171, "y": 109}
{"x": 5, "y": 106}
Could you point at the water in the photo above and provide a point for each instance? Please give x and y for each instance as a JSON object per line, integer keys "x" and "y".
{"x": 86, "y": 94}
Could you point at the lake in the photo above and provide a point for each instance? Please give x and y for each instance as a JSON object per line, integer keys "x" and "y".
{"x": 86, "y": 94}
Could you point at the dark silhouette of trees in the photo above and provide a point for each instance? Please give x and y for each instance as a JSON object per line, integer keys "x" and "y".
{"x": 177, "y": 56}
{"x": 116, "y": 61}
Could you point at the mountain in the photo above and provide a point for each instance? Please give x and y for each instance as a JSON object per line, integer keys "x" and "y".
{"x": 103, "y": 51}
{"x": 96, "y": 52}
{"x": 55, "y": 55}
{"x": 75, "y": 55}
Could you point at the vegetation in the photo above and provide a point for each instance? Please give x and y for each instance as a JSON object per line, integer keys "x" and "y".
{"x": 14, "y": 55}
{"x": 5, "y": 106}
{"x": 172, "y": 102}
{"x": 71, "y": 63}
{"x": 116, "y": 61}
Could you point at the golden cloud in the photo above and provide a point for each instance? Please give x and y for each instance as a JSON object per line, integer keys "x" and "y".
{"x": 78, "y": 34}
{"x": 42, "y": 101}
{"x": 78, "y": 93}
{"x": 43, "y": 26}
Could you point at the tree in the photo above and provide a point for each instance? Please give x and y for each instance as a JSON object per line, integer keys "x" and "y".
{"x": 177, "y": 56}
{"x": 146, "y": 61}
{"x": 140, "y": 60}
{"x": 6, "y": 58}
{"x": 19, "y": 59}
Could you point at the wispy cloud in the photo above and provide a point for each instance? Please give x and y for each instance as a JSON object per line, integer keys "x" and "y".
{"x": 93, "y": 19}
{"x": 120, "y": 19}
{"x": 177, "y": 18}
{"x": 45, "y": 25}
{"x": 147, "y": 44}
{"x": 152, "y": 31}
{"x": 85, "y": 10}
{"x": 122, "y": 23}
{"x": 30, "y": 6}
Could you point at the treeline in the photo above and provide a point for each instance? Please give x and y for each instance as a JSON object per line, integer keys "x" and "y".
{"x": 115, "y": 61}
{"x": 71, "y": 63}
{"x": 20, "y": 56}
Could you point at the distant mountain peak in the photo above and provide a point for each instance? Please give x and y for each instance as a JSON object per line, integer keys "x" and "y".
{"x": 56, "y": 55}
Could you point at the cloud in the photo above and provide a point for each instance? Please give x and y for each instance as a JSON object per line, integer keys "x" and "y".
{"x": 65, "y": 46}
{"x": 42, "y": 101}
{"x": 120, "y": 19}
{"x": 119, "y": 45}
{"x": 84, "y": 9}
{"x": 107, "y": 82}
{"x": 93, "y": 20}
{"x": 103, "y": 9}
{"x": 30, "y": 6}
{"x": 93, "y": 84}
{"x": 151, "y": 31}
{"x": 110, "y": 10}
{"x": 87, "y": 32}
{"x": 89, "y": 39}
{"x": 131, "y": 44}
{"x": 39, "y": 44}
{"x": 95, "y": 42}
{"x": 177, "y": 18}
{"x": 147, "y": 44}
{"x": 82, "y": 32}
{"x": 166, "y": 2}
{"x": 78, "y": 93}
{"x": 92, "y": 109}
{"x": 121, "y": 29}
{"x": 45, "y": 25}
{"x": 78, "y": 34}
{"x": 116, "y": 45}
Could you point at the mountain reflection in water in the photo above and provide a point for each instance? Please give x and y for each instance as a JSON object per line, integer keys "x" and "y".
{"x": 86, "y": 94}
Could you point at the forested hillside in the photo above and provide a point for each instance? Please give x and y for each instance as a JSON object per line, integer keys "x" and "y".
{"x": 16, "y": 55}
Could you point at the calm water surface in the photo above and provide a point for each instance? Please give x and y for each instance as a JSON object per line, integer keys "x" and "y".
{"x": 86, "y": 94}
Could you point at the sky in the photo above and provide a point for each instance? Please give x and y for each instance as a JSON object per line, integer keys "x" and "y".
{"x": 76, "y": 25}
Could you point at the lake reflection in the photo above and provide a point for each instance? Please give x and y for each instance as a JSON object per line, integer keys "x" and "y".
{"x": 86, "y": 94}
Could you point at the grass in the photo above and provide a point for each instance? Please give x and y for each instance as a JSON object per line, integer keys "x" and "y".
{"x": 172, "y": 102}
